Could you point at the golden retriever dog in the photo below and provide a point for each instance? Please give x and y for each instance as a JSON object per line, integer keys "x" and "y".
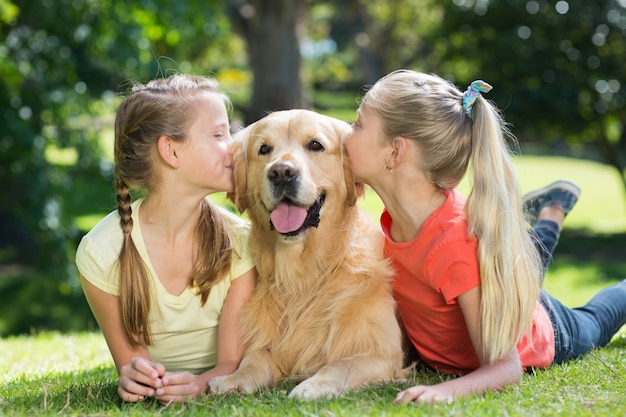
{"x": 322, "y": 310}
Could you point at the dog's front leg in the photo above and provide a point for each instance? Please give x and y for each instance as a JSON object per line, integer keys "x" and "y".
{"x": 339, "y": 377}
{"x": 257, "y": 369}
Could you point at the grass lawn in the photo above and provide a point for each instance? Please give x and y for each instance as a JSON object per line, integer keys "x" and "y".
{"x": 53, "y": 374}
{"x": 56, "y": 374}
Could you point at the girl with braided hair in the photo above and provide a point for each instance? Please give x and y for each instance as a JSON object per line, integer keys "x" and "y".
{"x": 468, "y": 271}
{"x": 166, "y": 275}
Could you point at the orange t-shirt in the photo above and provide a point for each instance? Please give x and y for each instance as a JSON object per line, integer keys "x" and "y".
{"x": 432, "y": 270}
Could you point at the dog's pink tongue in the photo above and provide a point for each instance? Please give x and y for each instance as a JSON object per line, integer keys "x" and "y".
{"x": 287, "y": 217}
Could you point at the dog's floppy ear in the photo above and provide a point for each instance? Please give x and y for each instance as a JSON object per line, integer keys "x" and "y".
{"x": 354, "y": 190}
{"x": 238, "y": 151}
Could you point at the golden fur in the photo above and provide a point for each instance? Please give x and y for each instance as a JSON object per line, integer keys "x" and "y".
{"x": 322, "y": 310}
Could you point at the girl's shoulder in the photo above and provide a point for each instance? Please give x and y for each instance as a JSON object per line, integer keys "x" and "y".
{"x": 102, "y": 244}
{"x": 98, "y": 252}
{"x": 449, "y": 221}
{"x": 106, "y": 235}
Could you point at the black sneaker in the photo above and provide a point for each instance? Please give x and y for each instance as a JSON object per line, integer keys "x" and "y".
{"x": 561, "y": 194}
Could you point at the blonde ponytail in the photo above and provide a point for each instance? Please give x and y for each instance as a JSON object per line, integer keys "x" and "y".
{"x": 510, "y": 267}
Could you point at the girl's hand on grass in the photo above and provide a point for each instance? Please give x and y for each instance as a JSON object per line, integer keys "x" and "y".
{"x": 179, "y": 387}
{"x": 139, "y": 378}
{"x": 424, "y": 394}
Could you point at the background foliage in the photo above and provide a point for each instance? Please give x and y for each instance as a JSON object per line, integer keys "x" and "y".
{"x": 557, "y": 68}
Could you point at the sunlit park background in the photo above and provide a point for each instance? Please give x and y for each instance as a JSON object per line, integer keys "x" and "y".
{"x": 557, "y": 68}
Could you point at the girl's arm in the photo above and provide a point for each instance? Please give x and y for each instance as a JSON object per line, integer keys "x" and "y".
{"x": 139, "y": 377}
{"x": 178, "y": 386}
{"x": 493, "y": 376}
{"x": 230, "y": 348}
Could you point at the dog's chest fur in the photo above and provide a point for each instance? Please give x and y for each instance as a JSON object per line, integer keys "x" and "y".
{"x": 304, "y": 301}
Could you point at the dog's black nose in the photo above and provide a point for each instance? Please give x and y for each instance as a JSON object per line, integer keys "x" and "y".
{"x": 283, "y": 173}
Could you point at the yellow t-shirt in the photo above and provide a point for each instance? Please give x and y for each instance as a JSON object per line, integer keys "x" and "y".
{"x": 184, "y": 333}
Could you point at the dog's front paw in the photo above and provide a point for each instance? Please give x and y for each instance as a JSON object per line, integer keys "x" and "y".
{"x": 232, "y": 383}
{"x": 315, "y": 389}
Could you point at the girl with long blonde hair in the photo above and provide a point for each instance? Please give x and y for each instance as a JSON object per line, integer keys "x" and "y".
{"x": 468, "y": 270}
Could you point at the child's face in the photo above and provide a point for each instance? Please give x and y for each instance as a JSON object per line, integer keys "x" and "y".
{"x": 206, "y": 160}
{"x": 366, "y": 146}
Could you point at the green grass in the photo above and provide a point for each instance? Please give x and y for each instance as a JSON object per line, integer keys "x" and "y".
{"x": 56, "y": 374}
{"x": 52, "y": 374}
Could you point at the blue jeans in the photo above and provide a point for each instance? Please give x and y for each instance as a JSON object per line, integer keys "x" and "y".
{"x": 579, "y": 330}
{"x": 546, "y": 236}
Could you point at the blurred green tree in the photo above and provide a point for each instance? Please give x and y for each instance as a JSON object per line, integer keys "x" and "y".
{"x": 62, "y": 62}
{"x": 558, "y": 66}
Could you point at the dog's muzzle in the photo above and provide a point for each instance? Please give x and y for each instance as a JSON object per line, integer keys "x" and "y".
{"x": 288, "y": 217}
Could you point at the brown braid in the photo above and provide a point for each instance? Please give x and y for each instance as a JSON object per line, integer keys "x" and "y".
{"x": 135, "y": 304}
{"x": 123, "y": 206}
{"x": 163, "y": 107}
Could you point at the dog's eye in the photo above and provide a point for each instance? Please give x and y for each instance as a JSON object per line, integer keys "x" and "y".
{"x": 315, "y": 146}
{"x": 265, "y": 149}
